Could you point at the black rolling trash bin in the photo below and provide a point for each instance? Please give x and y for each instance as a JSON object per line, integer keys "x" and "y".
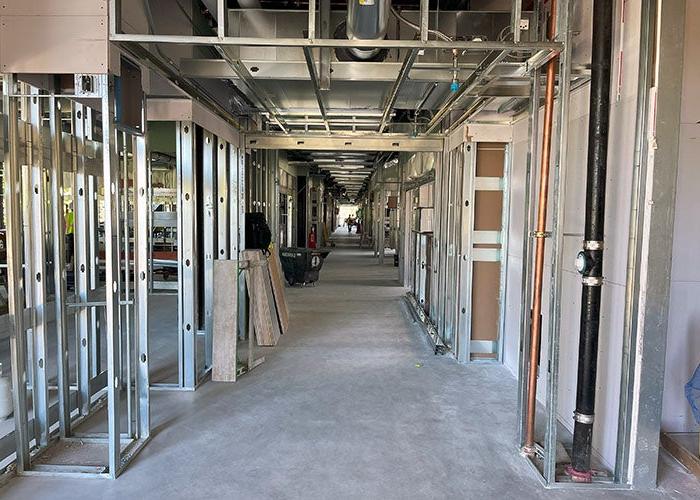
{"x": 302, "y": 265}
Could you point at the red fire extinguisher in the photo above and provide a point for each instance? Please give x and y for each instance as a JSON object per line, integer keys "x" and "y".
{"x": 312, "y": 237}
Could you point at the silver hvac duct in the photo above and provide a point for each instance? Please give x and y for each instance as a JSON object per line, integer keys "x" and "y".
{"x": 367, "y": 20}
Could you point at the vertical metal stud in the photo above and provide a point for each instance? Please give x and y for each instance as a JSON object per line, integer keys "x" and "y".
{"x": 141, "y": 237}
{"x": 59, "y": 265}
{"x": 468, "y": 165}
{"x": 238, "y": 201}
{"x": 187, "y": 254}
{"x": 505, "y": 224}
{"x": 222, "y": 201}
{"x": 527, "y": 252}
{"x": 209, "y": 234}
{"x": 92, "y": 242}
{"x": 112, "y": 271}
{"x": 38, "y": 274}
{"x": 18, "y": 350}
{"x": 81, "y": 233}
{"x": 125, "y": 312}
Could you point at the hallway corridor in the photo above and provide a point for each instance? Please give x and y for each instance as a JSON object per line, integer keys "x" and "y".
{"x": 351, "y": 404}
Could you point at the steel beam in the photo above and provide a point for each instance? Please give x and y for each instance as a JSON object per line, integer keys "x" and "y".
{"x": 371, "y": 143}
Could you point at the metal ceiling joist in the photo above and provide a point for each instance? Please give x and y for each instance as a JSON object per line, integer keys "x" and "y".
{"x": 372, "y": 143}
{"x": 314, "y": 83}
{"x": 394, "y": 94}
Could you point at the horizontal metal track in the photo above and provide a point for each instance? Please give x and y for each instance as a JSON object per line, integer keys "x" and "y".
{"x": 331, "y": 42}
{"x": 371, "y": 143}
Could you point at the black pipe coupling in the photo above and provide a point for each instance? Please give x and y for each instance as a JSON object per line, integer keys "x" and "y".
{"x": 583, "y": 418}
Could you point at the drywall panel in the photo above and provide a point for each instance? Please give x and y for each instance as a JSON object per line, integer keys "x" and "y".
{"x": 686, "y": 238}
{"x": 683, "y": 341}
{"x": 682, "y": 355}
{"x": 53, "y": 44}
{"x": 511, "y": 339}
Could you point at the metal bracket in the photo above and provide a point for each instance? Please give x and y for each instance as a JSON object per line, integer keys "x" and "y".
{"x": 541, "y": 234}
{"x": 88, "y": 85}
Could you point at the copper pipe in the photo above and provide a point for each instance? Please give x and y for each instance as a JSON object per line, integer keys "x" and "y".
{"x": 540, "y": 235}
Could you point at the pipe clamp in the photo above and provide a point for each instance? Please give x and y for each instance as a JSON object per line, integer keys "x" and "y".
{"x": 592, "y": 245}
{"x": 592, "y": 281}
{"x": 541, "y": 234}
{"x": 583, "y": 418}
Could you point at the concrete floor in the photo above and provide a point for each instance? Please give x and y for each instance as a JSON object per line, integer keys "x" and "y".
{"x": 351, "y": 403}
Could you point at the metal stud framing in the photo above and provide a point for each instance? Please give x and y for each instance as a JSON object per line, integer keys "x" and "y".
{"x": 45, "y": 262}
{"x": 216, "y": 218}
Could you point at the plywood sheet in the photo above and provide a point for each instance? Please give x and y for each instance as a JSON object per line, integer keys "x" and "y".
{"x": 486, "y": 276}
{"x": 266, "y": 325}
{"x": 276, "y": 279}
{"x": 488, "y": 210}
{"x": 490, "y": 159}
{"x": 485, "y": 306}
{"x": 225, "y": 321}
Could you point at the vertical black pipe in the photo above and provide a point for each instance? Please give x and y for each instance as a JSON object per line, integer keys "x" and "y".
{"x": 591, "y": 258}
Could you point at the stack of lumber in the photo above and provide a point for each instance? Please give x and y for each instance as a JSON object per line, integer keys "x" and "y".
{"x": 266, "y": 292}
{"x": 268, "y": 315}
{"x": 276, "y": 277}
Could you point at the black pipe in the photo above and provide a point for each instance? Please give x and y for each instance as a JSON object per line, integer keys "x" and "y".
{"x": 590, "y": 262}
